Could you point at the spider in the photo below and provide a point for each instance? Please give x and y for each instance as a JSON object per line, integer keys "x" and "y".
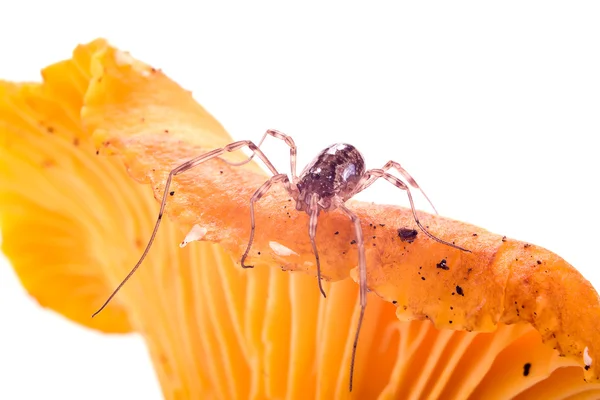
{"x": 334, "y": 176}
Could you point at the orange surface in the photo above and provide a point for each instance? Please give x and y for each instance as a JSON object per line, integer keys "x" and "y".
{"x": 196, "y": 305}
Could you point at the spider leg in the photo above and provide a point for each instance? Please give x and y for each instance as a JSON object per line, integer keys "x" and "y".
{"x": 257, "y": 195}
{"x": 405, "y": 175}
{"x": 312, "y": 233}
{"x": 362, "y": 281}
{"x": 186, "y": 166}
{"x": 278, "y": 135}
{"x": 380, "y": 173}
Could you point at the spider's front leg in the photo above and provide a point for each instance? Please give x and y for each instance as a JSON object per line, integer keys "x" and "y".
{"x": 186, "y": 166}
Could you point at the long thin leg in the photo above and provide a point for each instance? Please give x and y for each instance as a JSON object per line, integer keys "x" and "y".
{"x": 255, "y": 197}
{"x": 380, "y": 173}
{"x": 279, "y": 135}
{"x": 312, "y": 233}
{"x": 186, "y": 166}
{"x": 362, "y": 281}
{"x": 404, "y": 173}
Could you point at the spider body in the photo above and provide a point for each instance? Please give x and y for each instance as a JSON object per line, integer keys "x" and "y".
{"x": 335, "y": 175}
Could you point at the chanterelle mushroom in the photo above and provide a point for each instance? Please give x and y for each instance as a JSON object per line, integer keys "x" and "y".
{"x": 439, "y": 324}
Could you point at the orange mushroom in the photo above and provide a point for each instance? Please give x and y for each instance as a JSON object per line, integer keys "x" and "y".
{"x": 491, "y": 324}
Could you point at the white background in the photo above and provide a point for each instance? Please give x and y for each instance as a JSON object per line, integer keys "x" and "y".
{"x": 494, "y": 109}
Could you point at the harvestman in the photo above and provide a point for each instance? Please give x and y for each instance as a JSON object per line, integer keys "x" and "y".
{"x": 334, "y": 176}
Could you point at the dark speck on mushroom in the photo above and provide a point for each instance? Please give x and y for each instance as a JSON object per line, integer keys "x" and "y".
{"x": 353, "y": 242}
{"x": 459, "y": 290}
{"x": 407, "y": 235}
{"x": 526, "y": 369}
{"x": 442, "y": 265}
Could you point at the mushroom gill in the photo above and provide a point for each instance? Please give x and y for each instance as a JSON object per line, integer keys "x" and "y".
{"x": 215, "y": 330}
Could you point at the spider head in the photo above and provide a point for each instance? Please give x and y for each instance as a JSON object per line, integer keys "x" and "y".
{"x": 307, "y": 200}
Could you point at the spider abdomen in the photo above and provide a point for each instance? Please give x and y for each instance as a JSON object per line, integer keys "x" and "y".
{"x": 335, "y": 171}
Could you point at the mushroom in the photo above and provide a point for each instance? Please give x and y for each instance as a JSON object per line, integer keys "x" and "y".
{"x": 480, "y": 325}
